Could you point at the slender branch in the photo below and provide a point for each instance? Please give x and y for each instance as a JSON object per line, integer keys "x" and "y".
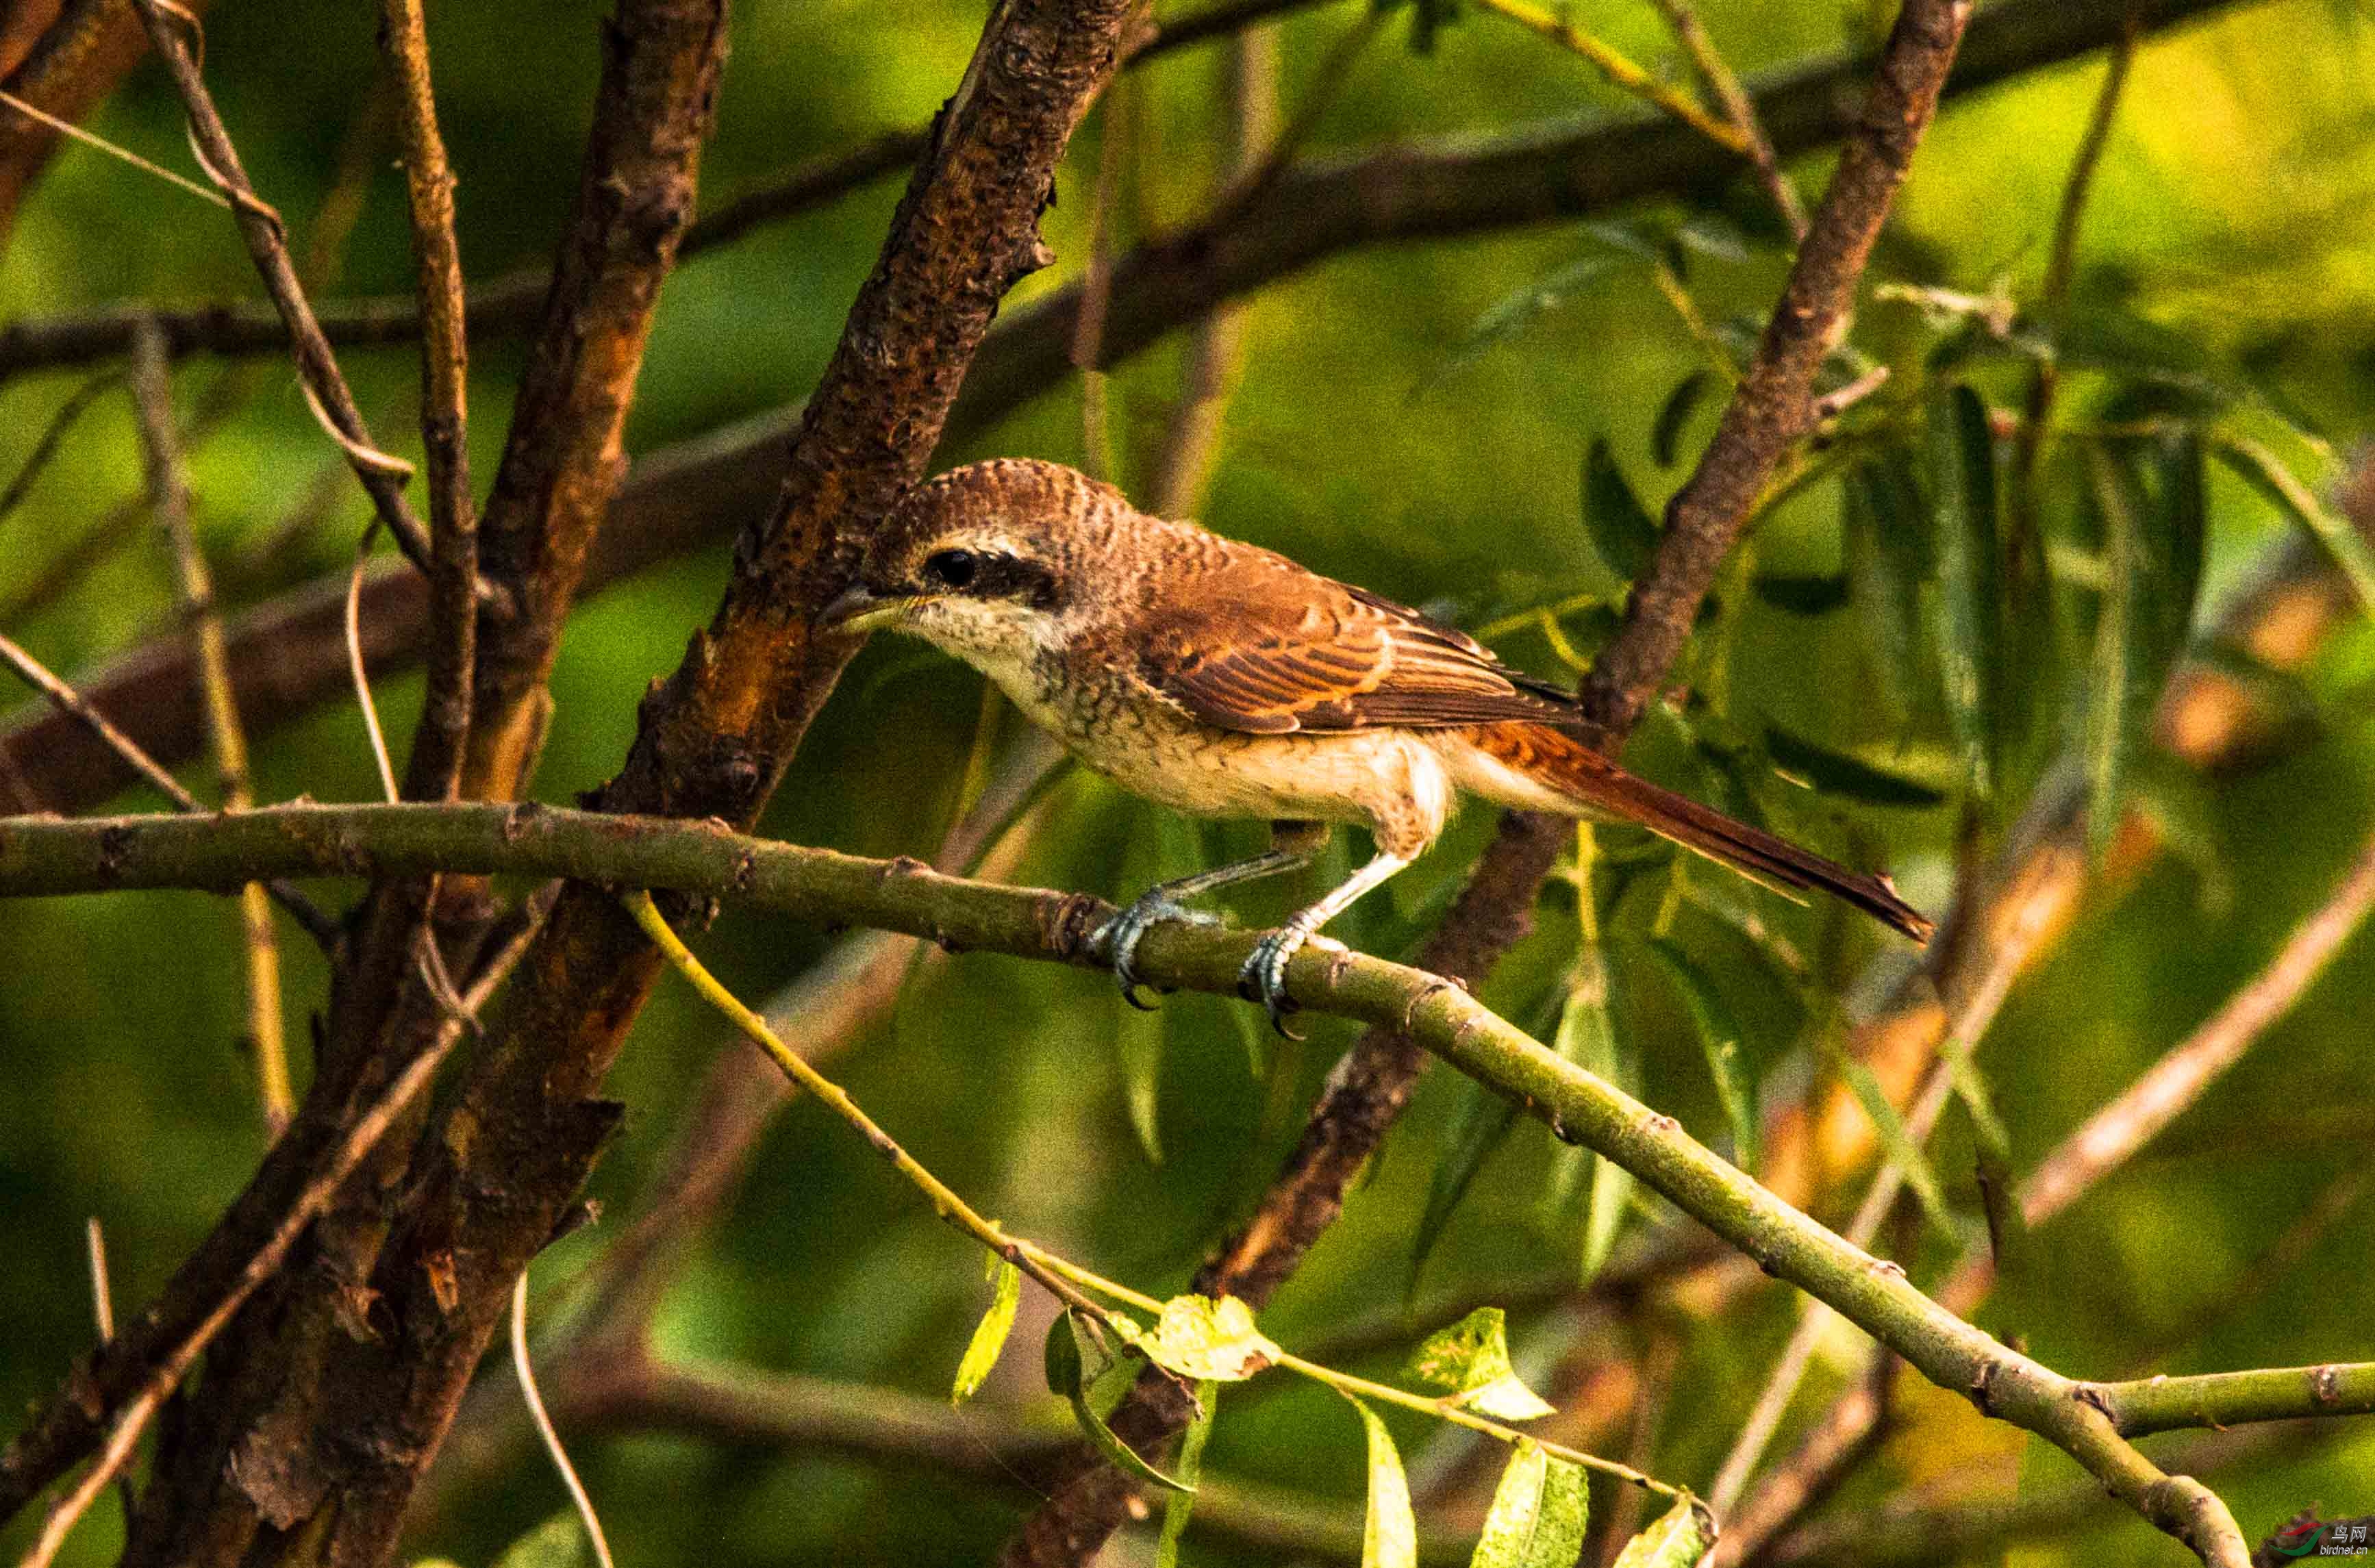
{"x": 77, "y": 709}
{"x": 563, "y": 459}
{"x": 951, "y": 1209}
{"x": 42, "y": 855}
{"x": 382, "y": 476}
{"x": 52, "y": 434}
{"x": 2221, "y": 1399}
{"x": 434, "y": 770}
{"x": 1723, "y": 85}
{"x": 1621, "y": 72}
{"x": 169, "y": 496}
{"x": 2062, "y": 266}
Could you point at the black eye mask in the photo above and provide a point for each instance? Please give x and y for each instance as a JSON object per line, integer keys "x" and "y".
{"x": 982, "y": 574}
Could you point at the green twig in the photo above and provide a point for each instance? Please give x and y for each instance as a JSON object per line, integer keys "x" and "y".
{"x": 1066, "y": 1279}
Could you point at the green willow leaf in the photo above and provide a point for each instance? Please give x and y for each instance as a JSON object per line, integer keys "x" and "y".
{"x": 1539, "y": 1515}
{"x": 1720, "y": 1038}
{"x": 1678, "y": 1540}
{"x": 990, "y": 1334}
{"x": 2152, "y": 544}
{"x": 1506, "y": 1540}
{"x": 1207, "y": 1340}
{"x": 1390, "y": 1534}
{"x": 1483, "y": 1125}
{"x": 2266, "y": 473}
{"x": 1961, "y": 455}
{"x": 1471, "y": 1359}
{"x": 1897, "y": 1140}
{"x": 1189, "y": 1467}
{"x": 1674, "y": 416}
{"x": 1801, "y": 595}
{"x": 1074, "y": 1364}
{"x": 1587, "y": 1036}
{"x": 1512, "y": 314}
{"x": 1887, "y": 556}
{"x": 1836, "y": 773}
{"x": 1621, "y": 529}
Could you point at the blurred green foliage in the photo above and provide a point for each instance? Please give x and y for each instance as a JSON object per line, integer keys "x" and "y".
{"x": 1464, "y": 425}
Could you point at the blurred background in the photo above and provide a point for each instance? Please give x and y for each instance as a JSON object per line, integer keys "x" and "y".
{"x": 1481, "y": 424}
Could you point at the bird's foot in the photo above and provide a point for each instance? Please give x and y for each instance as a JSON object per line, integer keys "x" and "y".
{"x": 1263, "y": 978}
{"x": 1120, "y": 936}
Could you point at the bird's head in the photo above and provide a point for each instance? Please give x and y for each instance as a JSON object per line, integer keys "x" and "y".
{"x": 986, "y": 562}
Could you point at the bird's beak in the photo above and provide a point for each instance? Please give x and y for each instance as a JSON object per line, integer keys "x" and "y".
{"x": 861, "y": 610}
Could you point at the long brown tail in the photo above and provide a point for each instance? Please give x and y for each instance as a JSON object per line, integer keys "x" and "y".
{"x": 1598, "y": 787}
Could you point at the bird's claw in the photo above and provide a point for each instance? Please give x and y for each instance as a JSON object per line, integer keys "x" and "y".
{"x": 1263, "y": 978}
{"x": 1120, "y": 936}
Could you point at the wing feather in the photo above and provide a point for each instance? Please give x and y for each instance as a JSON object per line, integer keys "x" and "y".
{"x": 1254, "y": 643}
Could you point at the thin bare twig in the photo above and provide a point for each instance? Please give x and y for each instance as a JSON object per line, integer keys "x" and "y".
{"x": 1722, "y": 84}
{"x": 1621, "y": 72}
{"x": 523, "y": 1369}
{"x": 53, "y": 433}
{"x": 2025, "y": 547}
{"x": 434, "y": 772}
{"x": 169, "y": 496}
{"x": 382, "y": 476}
{"x": 1215, "y": 354}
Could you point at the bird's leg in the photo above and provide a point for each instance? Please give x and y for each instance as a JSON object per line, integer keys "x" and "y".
{"x": 1292, "y": 846}
{"x": 1263, "y": 978}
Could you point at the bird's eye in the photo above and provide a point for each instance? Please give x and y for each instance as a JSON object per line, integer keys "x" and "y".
{"x": 953, "y": 568}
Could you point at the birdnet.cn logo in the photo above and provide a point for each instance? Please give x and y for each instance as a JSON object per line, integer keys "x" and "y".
{"x": 2308, "y": 1537}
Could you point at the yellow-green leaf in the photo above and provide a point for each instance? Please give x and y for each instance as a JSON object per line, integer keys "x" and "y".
{"x": 1678, "y": 1540}
{"x": 1471, "y": 1357}
{"x": 1205, "y": 1339}
{"x": 1539, "y": 1512}
{"x": 1074, "y": 1365}
{"x": 1189, "y": 1467}
{"x": 1390, "y": 1534}
{"x": 989, "y": 1335}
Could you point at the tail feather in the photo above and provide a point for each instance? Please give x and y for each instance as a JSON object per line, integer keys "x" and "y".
{"x": 1595, "y": 786}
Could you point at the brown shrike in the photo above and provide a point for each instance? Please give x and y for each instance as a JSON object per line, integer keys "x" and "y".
{"x": 1224, "y": 681}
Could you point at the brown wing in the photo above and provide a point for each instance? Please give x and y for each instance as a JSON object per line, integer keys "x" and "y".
{"x": 1257, "y": 644}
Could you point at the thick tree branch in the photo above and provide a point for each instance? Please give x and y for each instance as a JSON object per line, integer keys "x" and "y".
{"x": 494, "y": 1178}
{"x": 40, "y": 855}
